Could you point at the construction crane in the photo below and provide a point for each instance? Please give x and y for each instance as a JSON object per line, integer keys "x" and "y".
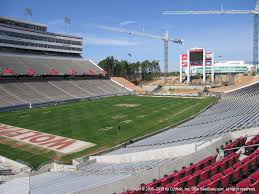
{"x": 254, "y": 12}
{"x": 164, "y": 38}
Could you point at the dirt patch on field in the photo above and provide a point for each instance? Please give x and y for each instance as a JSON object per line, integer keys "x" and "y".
{"x": 127, "y": 105}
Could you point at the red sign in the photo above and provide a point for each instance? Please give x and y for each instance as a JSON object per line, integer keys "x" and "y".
{"x": 8, "y": 71}
{"x": 53, "y": 72}
{"x": 73, "y": 72}
{"x": 90, "y": 72}
{"x": 31, "y": 71}
{"x": 184, "y": 57}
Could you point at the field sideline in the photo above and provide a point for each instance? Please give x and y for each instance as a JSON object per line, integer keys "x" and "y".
{"x": 97, "y": 122}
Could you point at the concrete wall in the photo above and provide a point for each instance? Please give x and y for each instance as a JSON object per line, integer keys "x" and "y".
{"x": 16, "y": 166}
{"x": 158, "y": 172}
{"x": 185, "y": 87}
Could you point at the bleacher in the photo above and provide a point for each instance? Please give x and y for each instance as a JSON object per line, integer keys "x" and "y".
{"x": 232, "y": 167}
{"x": 210, "y": 175}
{"x": 18, "y": 93}
{"x": 235, "y": 110}
{"x": 36, "y": 80}
{"x": 13, "y": 64}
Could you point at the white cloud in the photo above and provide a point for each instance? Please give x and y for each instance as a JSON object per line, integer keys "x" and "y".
{"x": 127, "y": 22}
{"x": 108, "y": 41}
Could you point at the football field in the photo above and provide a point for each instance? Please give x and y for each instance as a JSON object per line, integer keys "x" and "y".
{"x": 105, "y": 123}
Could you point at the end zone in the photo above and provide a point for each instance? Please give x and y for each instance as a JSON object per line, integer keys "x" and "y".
{"x": 56, "y": 143}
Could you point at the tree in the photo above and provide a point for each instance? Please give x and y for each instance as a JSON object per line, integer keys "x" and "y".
{"x": 147, "y": 69}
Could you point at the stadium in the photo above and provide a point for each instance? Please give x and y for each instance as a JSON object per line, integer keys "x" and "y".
{"x": 69, "y": 125}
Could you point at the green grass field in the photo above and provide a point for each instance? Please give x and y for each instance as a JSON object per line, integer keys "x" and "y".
{"x": 97, "y": 122}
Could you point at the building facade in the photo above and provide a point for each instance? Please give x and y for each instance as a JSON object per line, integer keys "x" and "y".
{"x": 25, "y": 36}
{"x": 226, "y": 67}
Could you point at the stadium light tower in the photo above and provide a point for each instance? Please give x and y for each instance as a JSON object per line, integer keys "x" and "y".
{"x": 67, "y": 21}
{"x": 166, "y": 39}
{"x": 28, "y": 12}
{"x": 254, "y": 12}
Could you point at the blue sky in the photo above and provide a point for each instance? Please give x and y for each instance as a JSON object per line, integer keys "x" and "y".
{"x": 227, "y": 35}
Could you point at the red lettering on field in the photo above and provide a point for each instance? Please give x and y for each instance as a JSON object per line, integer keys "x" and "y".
{"x": 59, "y": 143}
{"x": 42, "y": 138}
{"x": 36, "y": 133}
{"x": 3, "y": 127}
{"x": 13, "y": 133}
{"x": 9, "y": 132}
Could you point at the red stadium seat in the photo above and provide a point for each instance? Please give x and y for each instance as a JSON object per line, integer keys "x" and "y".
{"x": 182, "y": 173}
{"x": 165, "y": 180}
{"x": 245, "y": 160}
{"x": 226, "y": 180}
{"x": 216, "y": 168}
{"x": 190, "y": 180}
{"x": 255, "y": 176}
{"x": 225, "y": 164}
{"x": 177, "y": 176}
{"x": 206, "y": 173}
{"x": 217, "y": 177}
{"x": 175, "y": 185}
{"x": 197, "y": 172}
{"x": 231, "y": 159}
{"x": 204, "y": 183}
{"x": 214, "y": 185}
{"x": 209, "y": 160}
{"x": 256, "y": 186}
{"x": 239, "y": 173}
{"x": 191, "y": 169}
{"x": 233, "y": 177}
{"x": 237, "y": 165}
{"x": 244, "y": 184}
{"x": 250, "y": 163}
{"x": 252, "y": 154}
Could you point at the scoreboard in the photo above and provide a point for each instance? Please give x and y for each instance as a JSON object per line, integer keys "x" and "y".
{"x": 196, "y": 58}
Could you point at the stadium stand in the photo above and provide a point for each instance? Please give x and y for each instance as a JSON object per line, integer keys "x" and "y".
{"x": 14, "y": 93}
{"x": 14, "y": 64}
{"x": 45, "y": 82}
{"x": 34, "y": 75}
{"x": 235, "y": 110}
{"x": 228, "y": 171}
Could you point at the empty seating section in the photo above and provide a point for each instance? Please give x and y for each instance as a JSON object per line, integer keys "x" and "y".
{"x": 212, "y": 176}
{"x": 18, "y": 92}
{"x": 235, "y": 110}
{"x": 55, "y": 182}
{"x": 41, "y": 65}
{"x": 126, "y": 168}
